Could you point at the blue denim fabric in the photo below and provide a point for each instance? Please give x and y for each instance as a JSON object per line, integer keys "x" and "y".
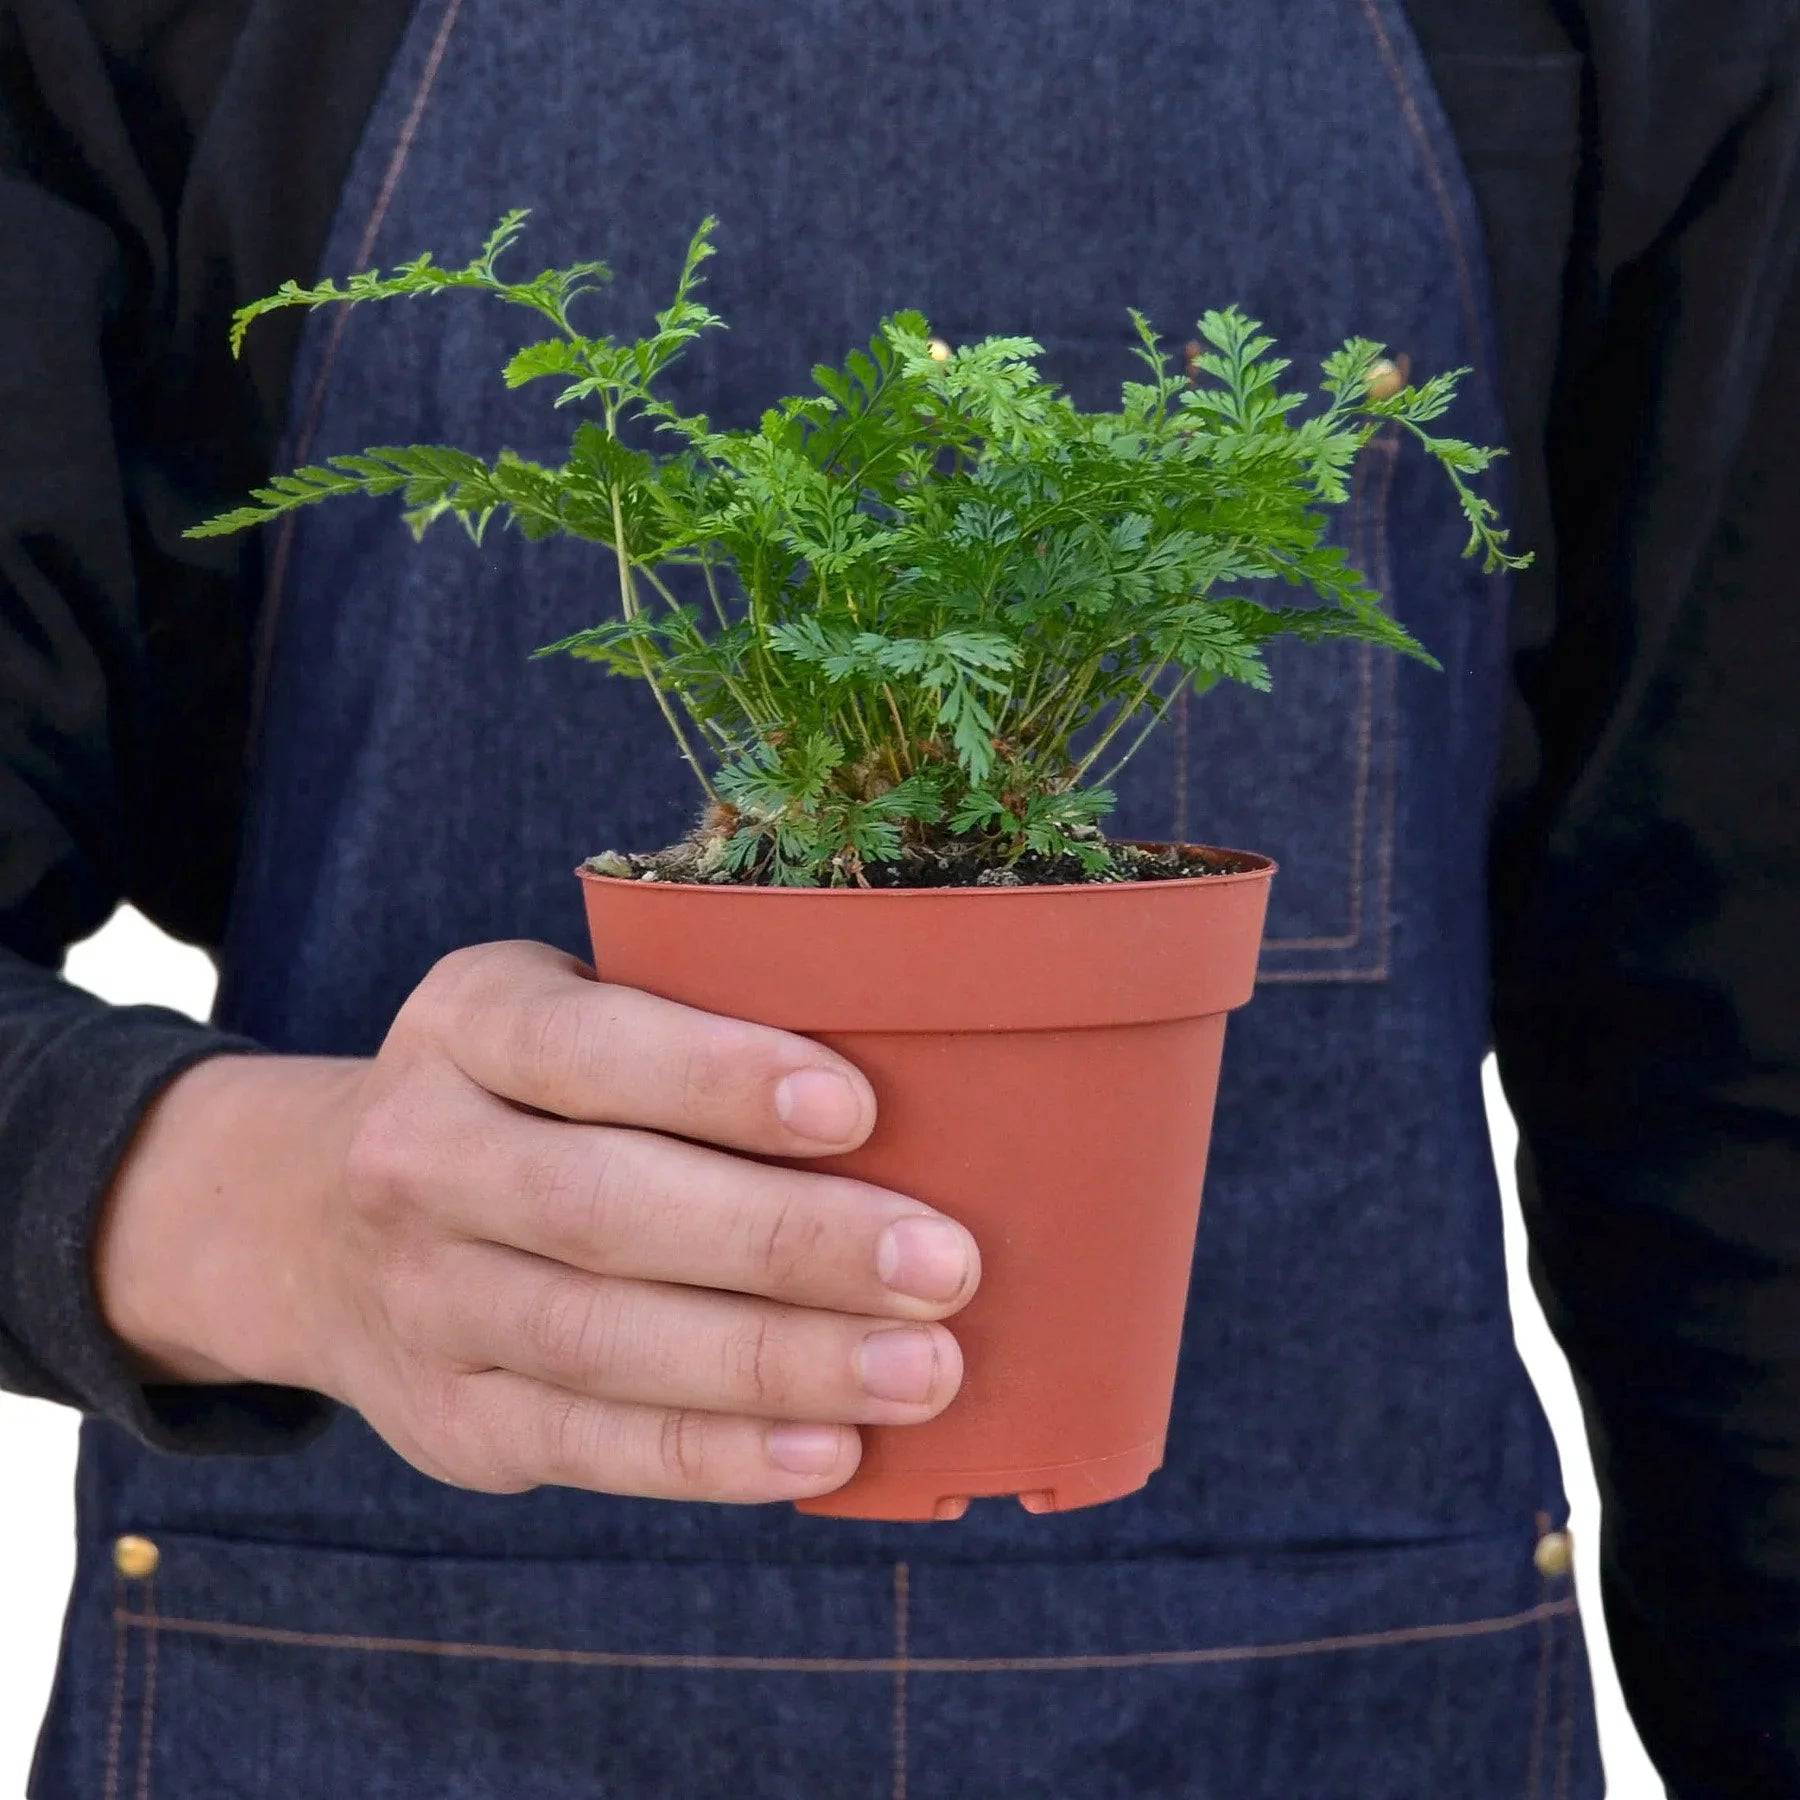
{"x": 1329, "y": 1589}
{"x": 315, "y": 1673}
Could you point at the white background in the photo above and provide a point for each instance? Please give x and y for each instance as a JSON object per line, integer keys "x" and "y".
{"x": 129, "y": 962}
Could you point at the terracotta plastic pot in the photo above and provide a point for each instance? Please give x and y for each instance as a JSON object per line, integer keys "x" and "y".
{"x": 1045, "y": 1061}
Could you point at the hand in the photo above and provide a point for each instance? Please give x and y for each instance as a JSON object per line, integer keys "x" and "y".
{"x": 506, "y": 1242}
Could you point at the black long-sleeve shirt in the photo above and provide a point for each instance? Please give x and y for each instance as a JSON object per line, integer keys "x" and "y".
{"x": 1637, "y": 164}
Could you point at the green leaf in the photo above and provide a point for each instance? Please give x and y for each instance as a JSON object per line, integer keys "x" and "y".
{"x": 884, "y": 616}
{"x": 979, "y": 809}
{"x": 551, "y": 356}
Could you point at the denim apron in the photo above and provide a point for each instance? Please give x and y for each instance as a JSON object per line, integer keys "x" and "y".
{"x": 1332, "y": 1589}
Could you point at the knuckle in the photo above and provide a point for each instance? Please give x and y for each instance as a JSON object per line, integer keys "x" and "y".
{"x": 445, "y": 989}
{"x": 683, "y": 1450}
{"x": 569, "y": 1197}
{"x": 450, "y": 970}
{"x": 544, "y": 1186}
{"x": 462, "y": 988}
{"x": 410, "y": 1299}
{"x": 787, "y": 1241}
{"x": 712, "y": 1069}
{"x": 486, "y": 1477}
{"x": 754, "y": 1366}
{"x": 724, "y": 1073}
{"x": 475, "y": 963}
{"x": 381, "y": 1163}
{"x": 470, "y": 1451}
{"x": 569, "y": 1328}
{"x": 574, "y": 1446}
{"x": 441, "y": 1402}
{"x": 561, "y": 1039}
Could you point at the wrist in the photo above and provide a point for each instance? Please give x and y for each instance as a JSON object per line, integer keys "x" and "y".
{"x": 207, "y": 1254}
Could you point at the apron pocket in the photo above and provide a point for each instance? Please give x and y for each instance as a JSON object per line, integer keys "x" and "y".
{"x": 240, "y": 1669}
{"x": 1306, "y": 773}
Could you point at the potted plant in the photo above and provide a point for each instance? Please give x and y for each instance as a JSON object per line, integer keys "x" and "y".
{"x": 902, "y": 632}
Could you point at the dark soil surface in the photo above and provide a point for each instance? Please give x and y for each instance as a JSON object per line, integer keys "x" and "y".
{"x": 683, "y": 862}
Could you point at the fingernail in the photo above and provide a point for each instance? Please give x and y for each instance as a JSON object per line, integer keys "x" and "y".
{"x": 925, "y": 1257}
{"x": 899, "y": 1364}
{"x": 819, "y": 1104}
{"x": 805, "y": 1449}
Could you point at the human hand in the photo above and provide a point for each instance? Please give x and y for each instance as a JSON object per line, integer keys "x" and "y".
{"x": 518, "y": 1242}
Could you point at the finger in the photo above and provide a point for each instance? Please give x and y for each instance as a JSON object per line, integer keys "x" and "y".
{"x": 634, "y": 1204}
{"x": 660, "y": 1345}
{"x": 538, "y": 1435}
{"x": 532, "y": 1025}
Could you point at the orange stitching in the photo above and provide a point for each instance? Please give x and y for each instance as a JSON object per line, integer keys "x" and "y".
{"x": 1349, "y": 941}
{"x": 115, "y": 1724}
{"x": 1371, "y": 539}
{"x": 1566, "y": 1739}
{"x": 844, "y": 1665}
{"x": 1390, "y": 675}
{"x": 1365, "y": 706}
{"x": 1540, "y": 1705}
{"x": 1365, "y": 720}
{"x": 1433, "y": 173}
{"x": 902, "y": 1622}
{"x": 1359, "y": 808}
{"x": 1359, "y": 802}
{"x": 147, "y": 1702}
{"x": 1301, "y": 976}
{"x": 315, "y": 404}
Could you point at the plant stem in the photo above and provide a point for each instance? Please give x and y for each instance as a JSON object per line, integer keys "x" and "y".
{"x": 1050, "y": 696}
{"x": 895, "y": 751}
{"x": 712, "y": 589}
{"x": 731, "y": 684}
{"x": 902, "y": 742}
{"x": 1066, "y": 720}
{"x": 861, "y": 724}
{"x": 1024, "y": 701}
{"x": 1125, "y": 714}
{"x": 1137, "y": 743}
{"x": 628, "y": 603}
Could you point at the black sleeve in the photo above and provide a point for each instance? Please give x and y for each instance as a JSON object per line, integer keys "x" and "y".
{"x": 132, "y": 218}
{"x": 1647, "y": 979}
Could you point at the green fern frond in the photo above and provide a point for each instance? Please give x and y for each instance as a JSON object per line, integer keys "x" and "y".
{"x": 882, "y": 617}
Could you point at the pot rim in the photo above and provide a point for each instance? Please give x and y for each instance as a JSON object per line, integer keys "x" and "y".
{"x": 1263, "y": 867}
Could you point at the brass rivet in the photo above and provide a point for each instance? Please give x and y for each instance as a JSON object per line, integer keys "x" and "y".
{"x": 135, "y": 1557}
{"x": 1387, "y": 376}
{"x": 938, "y": 350}
{"x": 1554, "y": 1554}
